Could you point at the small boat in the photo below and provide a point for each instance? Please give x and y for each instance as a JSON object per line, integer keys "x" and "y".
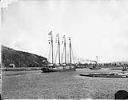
{"x": 95, "y": 67}
{"x": 109, "y": 75}
{"x": 48, "y": 68}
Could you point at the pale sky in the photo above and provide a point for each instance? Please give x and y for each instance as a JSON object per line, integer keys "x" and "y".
{"x": 97, "y": 27}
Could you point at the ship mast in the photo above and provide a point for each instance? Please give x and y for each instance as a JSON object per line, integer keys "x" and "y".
{"x": 51, "y": 42}
{"x": 58, "y": 43}
{"x": 65, "y": 47}
{"x": 70, "y": 50}
{"x": 52, "y": 47}
{"x": 59, "y": 48}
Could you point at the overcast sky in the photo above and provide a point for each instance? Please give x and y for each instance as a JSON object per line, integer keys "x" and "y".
{"x": 97, "y": 27}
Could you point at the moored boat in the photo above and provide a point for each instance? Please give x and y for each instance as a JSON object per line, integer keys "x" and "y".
{"x": 53, "y": 67}
{"x": 60, "y": 68}
{"x": 108, "y": 75}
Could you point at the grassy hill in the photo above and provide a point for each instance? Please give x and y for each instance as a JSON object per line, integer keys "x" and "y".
{"x": 20, "y": 58}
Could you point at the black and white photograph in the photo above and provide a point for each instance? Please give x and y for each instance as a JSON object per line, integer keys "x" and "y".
{"x": 64, "y": 49}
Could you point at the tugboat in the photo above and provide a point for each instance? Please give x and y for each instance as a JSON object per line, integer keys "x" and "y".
{"x": 53, "y": 67}
{"x": 94, "y": 66}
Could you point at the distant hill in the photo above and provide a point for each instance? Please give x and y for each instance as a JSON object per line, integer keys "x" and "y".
{"x": 20, "y": 58}
{"x": 121, "y": 62}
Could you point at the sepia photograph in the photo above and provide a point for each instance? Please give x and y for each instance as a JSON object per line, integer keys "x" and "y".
{"x": 64, "y": 49}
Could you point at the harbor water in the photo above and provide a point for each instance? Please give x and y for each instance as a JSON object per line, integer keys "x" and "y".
{"x": 60, "y": 85}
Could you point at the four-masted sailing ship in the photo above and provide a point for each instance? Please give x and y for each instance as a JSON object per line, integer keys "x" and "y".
{"x": 60, "y": 67}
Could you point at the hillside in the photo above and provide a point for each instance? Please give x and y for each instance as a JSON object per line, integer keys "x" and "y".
{"x": 20, "y": 58}
{"x": 122, "y": 62}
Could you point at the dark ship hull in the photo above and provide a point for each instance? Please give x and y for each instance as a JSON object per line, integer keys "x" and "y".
{"x": 95, "y": 67}
{"x": 58, "y": 69}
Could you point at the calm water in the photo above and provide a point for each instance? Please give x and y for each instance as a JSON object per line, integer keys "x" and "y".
{"x": 60, "y": 85}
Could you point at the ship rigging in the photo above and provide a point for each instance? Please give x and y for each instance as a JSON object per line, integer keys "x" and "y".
{"x": 53, "y": 66}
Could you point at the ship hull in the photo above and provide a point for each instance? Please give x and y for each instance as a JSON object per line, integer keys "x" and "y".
{"x": 105, "y": 75}
{"x": 58, "y": 69}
